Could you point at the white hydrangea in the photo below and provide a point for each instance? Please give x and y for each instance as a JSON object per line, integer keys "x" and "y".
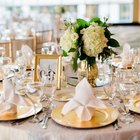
{"x": 68, "y": 39}
{"x": 94, "y": 40}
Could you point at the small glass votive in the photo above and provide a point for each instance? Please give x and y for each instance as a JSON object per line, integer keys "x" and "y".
{"x": 45, "y": 50}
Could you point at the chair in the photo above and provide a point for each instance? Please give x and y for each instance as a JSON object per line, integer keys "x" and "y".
{"x": 7, "y": 46}
{"x": 60, "y": 28}
{"x": 41, "y": 37}
{"x": 17, "y": 44}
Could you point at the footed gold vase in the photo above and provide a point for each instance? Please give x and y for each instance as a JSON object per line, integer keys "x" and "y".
{"x": 92, "y": 74}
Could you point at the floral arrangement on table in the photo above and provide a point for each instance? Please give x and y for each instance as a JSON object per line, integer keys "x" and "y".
{"x": 87, "y": 40}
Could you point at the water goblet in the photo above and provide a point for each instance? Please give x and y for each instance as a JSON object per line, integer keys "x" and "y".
{"x": 34, "y": 93}
{"x": 5, "y": 63}
{"x": 127, "y": 90}
{"x": 110, "y": 90}
{"x": 49, "y": 89}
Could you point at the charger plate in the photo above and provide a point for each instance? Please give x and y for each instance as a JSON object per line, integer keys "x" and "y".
{"x": 135, "y": 105}
{"x": 22, "y": 112}
{"x": 102, "y": 118}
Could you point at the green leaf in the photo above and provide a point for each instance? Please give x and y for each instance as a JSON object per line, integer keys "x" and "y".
{"x": 74, "y": 64}
{"x": 91, "y": 60}
{"x": 72, "y": 50}
{"x": 107, "y": 33}
{"x": 105, "y": 19}
{"x": 96, "y": 20}
{"x": 113, "y": 43}
{"x": 65, "y": 53}
{"x": 82, "y": 23}
{"x": 82, "y": 55}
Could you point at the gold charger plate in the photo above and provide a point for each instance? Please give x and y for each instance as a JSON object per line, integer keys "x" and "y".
{"x": 102, "y": 118}
{"x": 22, "y": 112}
{"x": 135, "y": 105}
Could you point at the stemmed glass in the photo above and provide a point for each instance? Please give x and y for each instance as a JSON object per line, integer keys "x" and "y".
{"x": 5, "y": 64}
{"x": 128, "y": 90}
{"x": 20, "y": 62}
{"x": 49, "y": 89}
{"x": 111, "y": 89}
{"x": 34, "y": 93}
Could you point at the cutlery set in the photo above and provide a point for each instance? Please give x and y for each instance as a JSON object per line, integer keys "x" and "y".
{"x": 45, "y": 115}
{"x": 42, "y": 118}
{"x": 116, "y": 125}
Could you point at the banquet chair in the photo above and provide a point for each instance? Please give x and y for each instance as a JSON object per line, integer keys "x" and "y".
{"x": 42, "y": 37}
{"x": 60, "y": 28}
{"x": 18, "y": 43}
{"x": 7, "y": 48}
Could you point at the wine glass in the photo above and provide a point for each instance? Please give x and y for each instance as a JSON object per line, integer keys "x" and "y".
{"x": 34, "y": 93}
{"x": 5, "y": 63}
{"x": 111, "y": 89}
{"x": 49, "y": 89}
{"x": 128, "y": 90}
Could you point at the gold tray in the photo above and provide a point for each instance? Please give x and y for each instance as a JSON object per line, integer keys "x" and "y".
{"x": 102, "y": 118}
{"x": 22, "y": 112}
{"x": 63, "y": 97}
{"x": 135, "y": 106}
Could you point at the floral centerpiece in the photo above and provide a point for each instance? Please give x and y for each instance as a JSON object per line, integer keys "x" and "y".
{"x": 87, "y": 40}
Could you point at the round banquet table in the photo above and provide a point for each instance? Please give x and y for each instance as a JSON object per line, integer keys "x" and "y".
{"x": 54, "y": 131}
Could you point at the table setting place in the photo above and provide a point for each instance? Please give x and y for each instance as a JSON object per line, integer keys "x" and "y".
{"x": 32, "y": 103}
{"x": 89, "y": 94}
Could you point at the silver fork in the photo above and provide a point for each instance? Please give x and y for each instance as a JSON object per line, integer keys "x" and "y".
{"x": 46, "y": 116}
{"x": 116, "y": 125}
{"x": 46, "y": 122}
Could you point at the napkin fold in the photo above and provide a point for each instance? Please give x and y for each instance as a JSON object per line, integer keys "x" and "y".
{"x": 27, "y": 55}
{"x": 126, "y": 56}
{"x": 84, "y": 102}
{"x": 9, "y": 99}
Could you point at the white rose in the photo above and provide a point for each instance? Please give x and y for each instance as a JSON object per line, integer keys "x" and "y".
{"x": 94, "y": 40}
{"x": 67, "y": 41}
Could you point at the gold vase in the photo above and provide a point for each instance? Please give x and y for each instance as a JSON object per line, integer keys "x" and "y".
{"x": 92, "y": 74}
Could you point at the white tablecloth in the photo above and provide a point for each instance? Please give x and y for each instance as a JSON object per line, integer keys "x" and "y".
{"x": 54, "y": 131}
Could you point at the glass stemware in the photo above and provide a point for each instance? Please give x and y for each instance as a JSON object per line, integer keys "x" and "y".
{"x": 49, "y": 89}
{"x": 128, "y": 90}
{"x": 111, "y": 89}
{"x": 34, "y": 93}
{"x": 5, "y": 65}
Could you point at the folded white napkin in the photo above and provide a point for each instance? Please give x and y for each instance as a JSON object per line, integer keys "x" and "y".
{"x": 126, "y": 56}
{"x": 27, "y": 55}
{"x": 9, "y": 99}
{"x": 84, "y": 102}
